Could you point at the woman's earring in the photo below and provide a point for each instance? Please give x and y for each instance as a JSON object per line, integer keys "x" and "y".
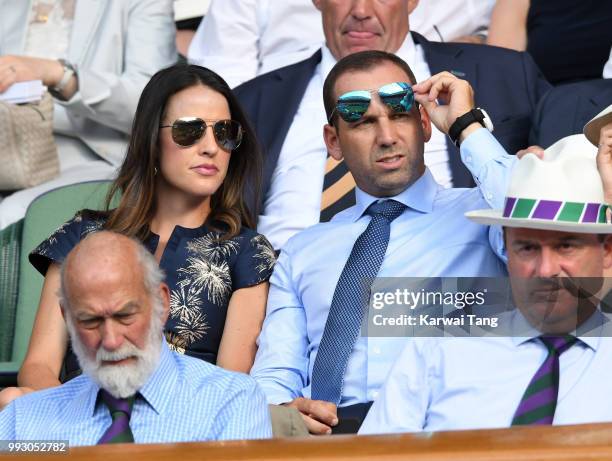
{"x": 154, "y": 171}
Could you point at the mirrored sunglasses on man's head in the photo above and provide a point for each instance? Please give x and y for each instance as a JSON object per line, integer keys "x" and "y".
{"x": 353, "y": 105}
{"x": 186, "y": 131}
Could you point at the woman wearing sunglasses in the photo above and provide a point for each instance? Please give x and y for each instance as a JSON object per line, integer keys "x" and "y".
{"x": 191, "y": 156}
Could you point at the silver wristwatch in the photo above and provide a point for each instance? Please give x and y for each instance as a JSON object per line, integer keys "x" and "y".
{"x": 69, "y": 71}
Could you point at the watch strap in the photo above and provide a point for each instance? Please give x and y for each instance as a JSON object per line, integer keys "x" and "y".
{"x": 462, "y": 122}
{"x": 68, "y": 73}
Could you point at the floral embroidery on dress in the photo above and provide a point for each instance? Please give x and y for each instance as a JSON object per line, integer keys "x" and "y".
{"x": 92, "y": 226}
{"x": 188, "y": 330}
{"x": 192, "y": 328}
{"x": 88, "y": 226}
{"x": 175, "y": 342}
{"x": 211, "y": 247}
{"x": 184, "y": 300}
{"x": 206, "y": 273}
{"x": 265, "y": 255}
{"x": 62, "y": 229}
{"x": 214, "y": 278}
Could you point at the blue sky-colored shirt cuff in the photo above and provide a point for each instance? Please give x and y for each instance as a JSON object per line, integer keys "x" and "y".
{"x": 479, "y": 148}
{"x": 489, "y": 164}
{"x": 274, "y": 397}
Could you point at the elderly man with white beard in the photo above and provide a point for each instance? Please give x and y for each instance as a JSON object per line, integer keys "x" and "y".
{"x": 133, "y": 388}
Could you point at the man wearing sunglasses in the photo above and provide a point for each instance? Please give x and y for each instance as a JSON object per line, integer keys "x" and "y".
{"x": 300, "y": 183}
{"x": 404, "y": 224}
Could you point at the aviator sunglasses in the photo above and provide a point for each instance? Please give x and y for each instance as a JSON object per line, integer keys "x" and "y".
{"x": 353, "y": 105}
{"x": 186, "y": 131}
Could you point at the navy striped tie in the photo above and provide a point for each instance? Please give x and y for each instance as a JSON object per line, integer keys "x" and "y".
{"x": 350, "y": 302}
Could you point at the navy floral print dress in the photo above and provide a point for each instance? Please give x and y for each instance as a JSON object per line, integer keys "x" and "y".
{"x": 202, "y": 271}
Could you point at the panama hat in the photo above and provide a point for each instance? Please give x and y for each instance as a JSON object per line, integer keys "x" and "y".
{"x": 561, "y": 192}
{"x": 594, "y": 126}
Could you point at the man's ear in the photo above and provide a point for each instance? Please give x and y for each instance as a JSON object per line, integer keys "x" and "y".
{"x": 164, "y": 295}
{"x": 330, "y": 136}
{"x": 425, "y": 123}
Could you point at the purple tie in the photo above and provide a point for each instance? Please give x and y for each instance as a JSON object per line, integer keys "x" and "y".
{"x": 120, "y": 410}
{"x": 539, "y": 402}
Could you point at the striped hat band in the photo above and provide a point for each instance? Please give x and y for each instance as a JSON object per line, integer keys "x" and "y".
{"x": 552, "y": 210}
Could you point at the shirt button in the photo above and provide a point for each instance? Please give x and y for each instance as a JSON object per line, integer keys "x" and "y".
{"x": 376, "y": 350}
{"x": 468, "y": 158}
{"x": 374, "y": 395}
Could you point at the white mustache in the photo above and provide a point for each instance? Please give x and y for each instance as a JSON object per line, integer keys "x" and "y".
{"x": 126, "y": 351}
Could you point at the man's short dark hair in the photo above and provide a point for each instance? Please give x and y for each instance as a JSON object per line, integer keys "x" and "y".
{"x": 361, "y": 61}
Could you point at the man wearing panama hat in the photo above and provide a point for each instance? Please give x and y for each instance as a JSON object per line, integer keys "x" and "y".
{"x": 557, "y": 369}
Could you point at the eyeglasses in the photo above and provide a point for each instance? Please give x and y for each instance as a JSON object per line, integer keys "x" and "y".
{"x": 353, "y": 105}
{"x": 186, "y": 131}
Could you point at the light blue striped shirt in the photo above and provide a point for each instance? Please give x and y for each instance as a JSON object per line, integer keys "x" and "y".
{"x": 185, "y": 399}
{"x": 432, "y": 238}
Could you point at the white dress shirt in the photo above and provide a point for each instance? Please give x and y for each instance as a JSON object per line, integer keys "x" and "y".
{"x": 240, "y": 39}
{"x": 442, "y": 384}
{"x": 607, "y": 71}
{"x": 451, "y": 18}
{"x": 299, "y": 172}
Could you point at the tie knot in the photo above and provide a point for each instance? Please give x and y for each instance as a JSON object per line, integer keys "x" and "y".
{"x": 389, "y": 209}
{"x": 116, "y": 405}
{"x": 558, "y": 344}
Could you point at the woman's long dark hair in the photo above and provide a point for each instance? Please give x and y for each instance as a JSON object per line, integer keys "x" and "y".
{"x": 136, "y": 179}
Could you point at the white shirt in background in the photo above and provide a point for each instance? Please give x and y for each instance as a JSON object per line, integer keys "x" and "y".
{"x": 299, "y": 172}
{"x": 240, "y": 39}
{"x": 452, "y": 18}
{"x": 607, "y": 72}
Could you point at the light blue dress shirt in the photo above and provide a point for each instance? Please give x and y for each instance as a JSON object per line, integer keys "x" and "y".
{"x": 432, "y": 238}
{"x": 478, "y": 382}
{"x": 186, "y": 399}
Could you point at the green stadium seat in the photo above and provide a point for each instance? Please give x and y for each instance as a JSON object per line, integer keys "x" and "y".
{"x": 20, "y": 283}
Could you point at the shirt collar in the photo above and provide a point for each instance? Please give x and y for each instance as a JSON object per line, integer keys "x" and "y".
{"x": 161, "y": 383}
{"x": 419, "y": 196}
{"x": 589, "y": 333}
{"x": 408, "y": 52}
{"x": 84, "y": 403}
{"x": 327, "y": 62}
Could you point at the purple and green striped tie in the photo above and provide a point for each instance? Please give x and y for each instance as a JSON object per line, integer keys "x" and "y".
{"x": 120, "y": 410}
{"x": 540, "y": 399}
